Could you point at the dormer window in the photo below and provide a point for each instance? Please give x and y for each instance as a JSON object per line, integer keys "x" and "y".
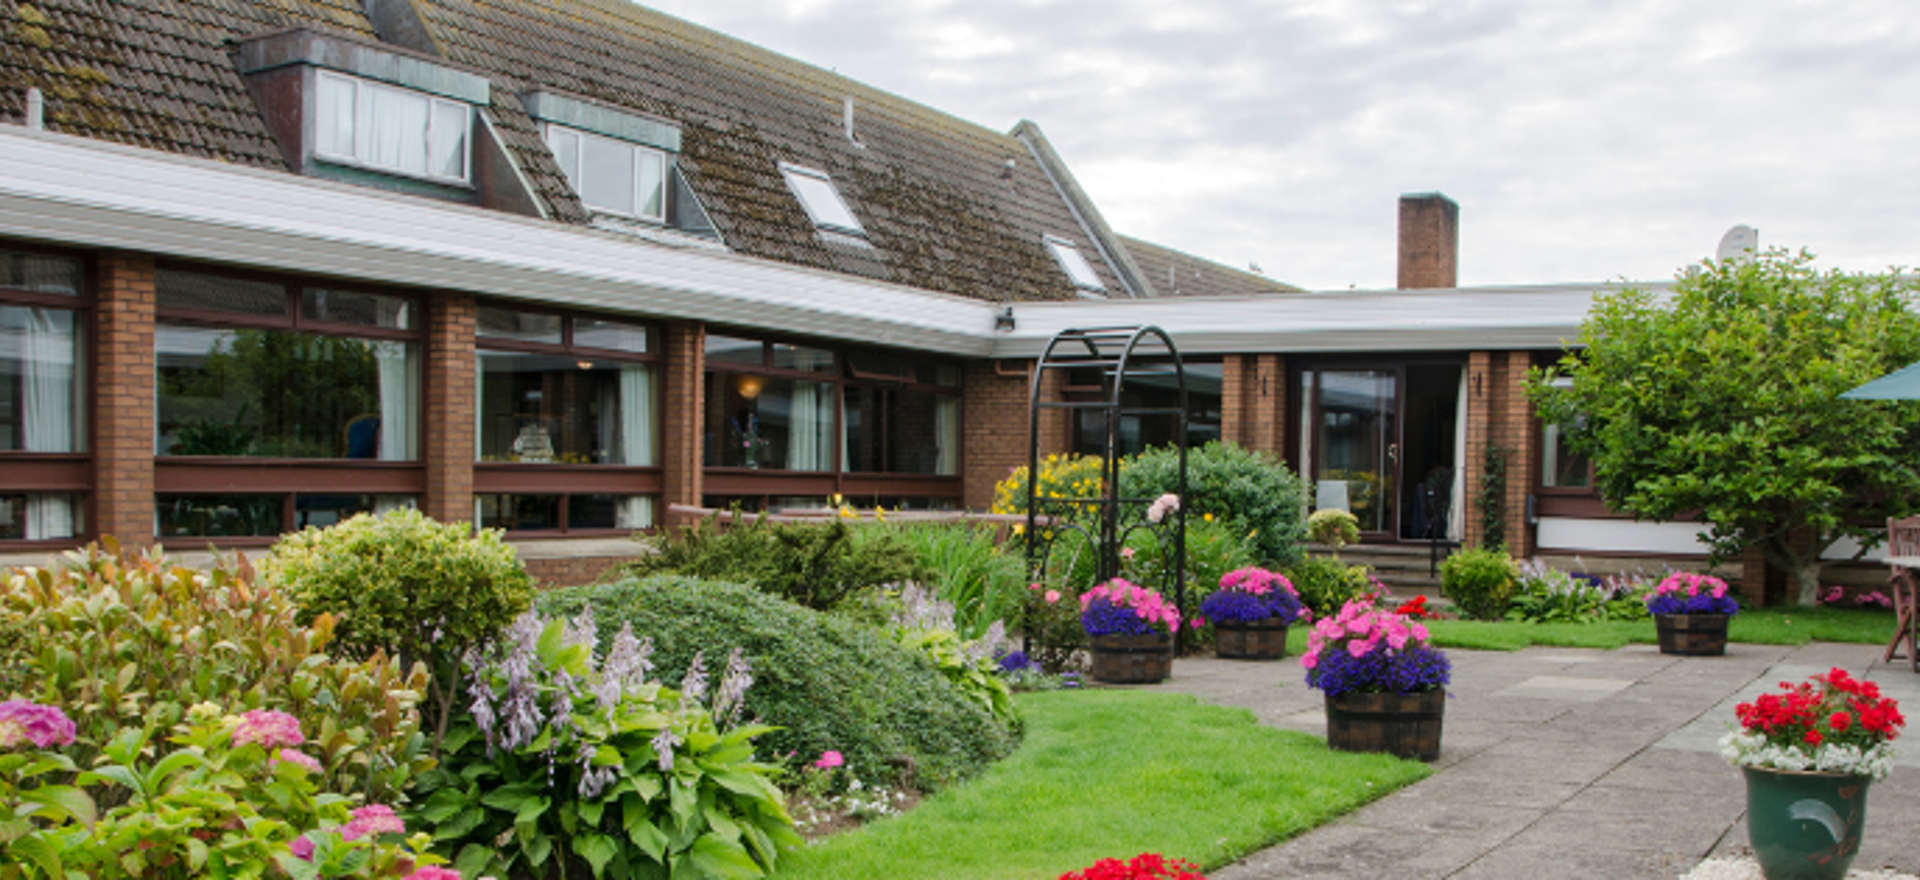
{"x": 822, "y": 202}
{"x": 1078, "y": 270}
{"x": 391, "y": 129}
{"x": 612, "y": 176}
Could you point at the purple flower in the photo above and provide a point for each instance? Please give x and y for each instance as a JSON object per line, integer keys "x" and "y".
{"x": 22, "y": 721}
{"x": 732, "y": 696}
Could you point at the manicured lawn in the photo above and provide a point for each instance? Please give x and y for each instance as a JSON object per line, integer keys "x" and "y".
{"x": 1769, "y": 626}
{"x": 1107, "y": 773}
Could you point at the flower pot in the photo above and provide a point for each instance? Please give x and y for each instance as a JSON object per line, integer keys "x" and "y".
{"x": 1250, "y": 639}
{"x": 1696, "y": 635}
{"x": 1406, "y": 725}
{"x": 1132, "y": 659}
{"x": 1803, "y": 825}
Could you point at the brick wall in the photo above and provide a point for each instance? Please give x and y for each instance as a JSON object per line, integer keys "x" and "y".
{"x": 448, "y": 440}
{"x": 1253, "y": 404}
{"x": 124, "y": 391}
{"x": 993, "y": 424}
{"x": 681, "y": 411}
{"x": 572, "y": 571}
{"x": 1429, "y": 241}
{"x": 1499, "y": 413}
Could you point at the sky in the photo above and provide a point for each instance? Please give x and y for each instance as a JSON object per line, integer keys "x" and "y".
{"x": 1584, "y": 140}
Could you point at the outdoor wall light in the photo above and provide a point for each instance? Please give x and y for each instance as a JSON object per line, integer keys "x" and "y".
{"x": 1003, "y": 319}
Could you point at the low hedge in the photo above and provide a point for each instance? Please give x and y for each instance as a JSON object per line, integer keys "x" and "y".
{"x": 827, "y": 682}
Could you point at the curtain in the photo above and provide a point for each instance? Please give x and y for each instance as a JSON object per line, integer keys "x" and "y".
{"x": 1456, "y": 514}
{"x": 399, "y": 400}
{"x": 636, "y": 415}
{"x": 804, "y": 449}
{"x": 633, "y": 512}
{"x": 397, "y": 129}
{"x": 49, "y": 407}
{"x": 946, "y": 434}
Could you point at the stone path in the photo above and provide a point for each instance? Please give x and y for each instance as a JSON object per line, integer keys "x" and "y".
{"x": 1563, "y": 762}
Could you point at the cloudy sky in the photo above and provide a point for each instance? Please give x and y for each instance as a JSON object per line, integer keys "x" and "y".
{"x": 1585, "y": 140}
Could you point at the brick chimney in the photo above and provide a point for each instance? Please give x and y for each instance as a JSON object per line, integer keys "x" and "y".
{"x": 1429, "y": 241}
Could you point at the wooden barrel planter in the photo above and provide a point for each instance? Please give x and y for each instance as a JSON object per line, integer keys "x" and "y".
{"x": 1250, "y": 639}
{"x": 1132, "y": 659}
{"x": 1696, "y": 635}
{"x": 1406, "y": 725}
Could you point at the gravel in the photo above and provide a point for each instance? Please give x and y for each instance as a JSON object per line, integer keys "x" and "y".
{"x": 1744, "y": 868}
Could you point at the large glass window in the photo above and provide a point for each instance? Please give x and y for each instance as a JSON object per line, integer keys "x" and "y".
{"x": 1137, "y": 432}
{"x": 1560, "y": 466}
{"x": 233, "y": 515}
{"x": 390, "y": 128}
{"x": 43, "y": 396}
{"x": 328, "y": 374}
{"x": 613, "y": 176}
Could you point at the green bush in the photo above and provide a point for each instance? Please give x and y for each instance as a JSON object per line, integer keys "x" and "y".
{"x": 1333, "y": 527}
{"x": 966, "y": 569}
{"x": 1325, "y": 584}
{"x": 816, "y": 565}
{"x": 404, "y": 584}
{"x": 1250, "y": 492}
{"x": 123, "y": 642}
{"x": 1049, "y": 621}
{"x": 827, "y": 684}
{"x": 572, "y": 762}
{"x": 1480, "y": 582}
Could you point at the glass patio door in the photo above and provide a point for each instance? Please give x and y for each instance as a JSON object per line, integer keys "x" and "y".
{"x": 1353, "y": 443}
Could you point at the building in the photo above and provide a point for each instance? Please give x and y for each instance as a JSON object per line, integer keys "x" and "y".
{"x": 554, "y": 265}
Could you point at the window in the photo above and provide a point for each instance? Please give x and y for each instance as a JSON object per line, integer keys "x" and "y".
{"x": 560, "y": 390}
{"x": 257, "y": 368}
{"x": 903, "y": 416}
{"x": 227, "y": 515}
{"x": 1138, "y": 432}
{"x": 43, "y": 397}
{"x": 1078, "y": 270}
{"x": 822, "y": 202}
{"x": 1560, "y": 466}
{"x": 612, "y": 176}
{"x": 387, "y": 128}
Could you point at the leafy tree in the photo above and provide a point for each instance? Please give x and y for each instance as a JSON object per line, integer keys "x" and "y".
{"x": 1723, "y": 399}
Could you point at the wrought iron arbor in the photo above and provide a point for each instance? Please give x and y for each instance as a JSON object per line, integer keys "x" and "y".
{"x": 1077, "y": 537}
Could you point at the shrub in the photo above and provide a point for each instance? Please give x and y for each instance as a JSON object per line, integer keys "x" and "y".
{"x": 1061, "y": 476}
{"x": 817, "y": 565}
{"x": 404, "y": 584}
{"x": 571, "y": 762}
{"x": 1480, "y": 582}
{"x": 967, "y": 570}
{"x": 122, "y": 641}
{"x": 1333, "y": 527}
{"x": 826, "y": 683}
{"x": 1049, "y": 620}
{"x": 1249, "y": 492}
{"x": 925, "y": 624}
{"x": 1326, "y": 584}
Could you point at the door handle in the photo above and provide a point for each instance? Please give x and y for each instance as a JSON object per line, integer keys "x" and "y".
{"x": 1393, "y": 452}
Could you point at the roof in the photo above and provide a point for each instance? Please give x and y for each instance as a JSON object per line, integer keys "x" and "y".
{"x": 1176, "y": 273}
{"x": 948, "y": 205}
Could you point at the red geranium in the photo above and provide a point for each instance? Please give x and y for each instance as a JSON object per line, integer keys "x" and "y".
{"x": 1145, "y": 866}
{"x": 1832, "y": 722}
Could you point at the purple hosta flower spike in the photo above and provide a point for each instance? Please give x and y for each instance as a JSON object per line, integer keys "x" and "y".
{"x": 733, "y": 690}
{"x": 693, "y": 688}
{"x": 582, "y": 630}
{"x": 520, "y": 707}
{"x": 593, "y": 780}
{"x": 663, "y": 744}
{"x": 627, "y": 660}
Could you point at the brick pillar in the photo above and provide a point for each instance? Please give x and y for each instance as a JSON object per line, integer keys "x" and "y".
{"x": 124, "y": 399}
{"x": 993, "y": 423}
{"x": 1479, "y": 416}
{"x": 448, "y": 441}
{"x": 1519, "y": 432}
{"x": 1056, "y": 425}
{"x": 1253, "y": 406}
{"x": 682, "y": 410}
{"x": 1429, "y": 241}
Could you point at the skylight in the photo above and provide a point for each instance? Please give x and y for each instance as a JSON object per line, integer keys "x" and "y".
{"x": 815, "y": 191}
{"x": 1078, "y": 270}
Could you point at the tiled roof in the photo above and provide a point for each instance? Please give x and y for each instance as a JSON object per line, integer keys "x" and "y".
{"x": 941, "y": 207}
{"x": 1175, "y": 273}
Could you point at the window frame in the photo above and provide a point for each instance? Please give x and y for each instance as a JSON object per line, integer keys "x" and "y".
{"x": 363, "y": 129}
{"x": 59, "y": 473}
{"x": 637, "y": 151}
{"x": 792, "y": 173}
{"x": 1067, "y": 255}
{"x": 566, "y": 480}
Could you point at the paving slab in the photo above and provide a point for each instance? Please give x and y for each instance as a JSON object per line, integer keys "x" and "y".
{"x": 1560, "y": 762}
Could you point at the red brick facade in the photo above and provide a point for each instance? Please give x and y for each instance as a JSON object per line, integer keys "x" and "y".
{"x": 448, "y": 443}
{"x": 993, "y": 427}
{"x": 1499, "y": 414}
{"x": 681, "y": 412}
{"x": 123, "y": 398}
{"x": 1253, "y": 402}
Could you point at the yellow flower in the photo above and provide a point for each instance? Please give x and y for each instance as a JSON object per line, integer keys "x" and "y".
{"x": 1207, "y": 516}
{"x": 846, "y": 512}
{"x": 1019, "y": 529}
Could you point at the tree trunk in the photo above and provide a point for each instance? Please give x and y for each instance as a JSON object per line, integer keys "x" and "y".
{"x": 1806, "y": 580}
{"x": 1803, "y": 566}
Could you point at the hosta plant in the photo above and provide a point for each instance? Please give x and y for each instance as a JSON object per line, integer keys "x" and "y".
{"x": 569, "y": 764}
{"x": 925, "y": 624}
{"x": 1832, "y": 723}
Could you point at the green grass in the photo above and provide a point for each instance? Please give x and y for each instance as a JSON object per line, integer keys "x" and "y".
{"x": 1766, "y": 626}
{"x": 1109, "y": 774}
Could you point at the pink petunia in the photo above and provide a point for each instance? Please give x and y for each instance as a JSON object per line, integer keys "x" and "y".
{"x": 302, "y": 848}
{"x": 829, "y": 760}
{"x": 433, "y": 872}
{"x": 1360, "y": 648}
{"x": 1052, "y": 596}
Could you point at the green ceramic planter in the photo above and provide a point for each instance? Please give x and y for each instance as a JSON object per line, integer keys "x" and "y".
{"x": 1805, "y": 826}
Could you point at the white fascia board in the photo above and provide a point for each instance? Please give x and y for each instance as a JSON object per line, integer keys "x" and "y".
{"x": 1559, "y": 534}
{"x": 86, "y": 193}
{"x": 1454, "y": 319}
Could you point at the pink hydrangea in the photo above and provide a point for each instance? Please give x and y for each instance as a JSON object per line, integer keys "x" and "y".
{"x": 294, "y": 756}
{"x": 433, "y": 872}
{"x": 1052, "y": 596}
{"x": 372, "y": 819}
{"x": 268, "y": 727}
{"x": 302, "y": 848}
{"x": 23, "y": 722}
{"x": 829, "y": 760}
